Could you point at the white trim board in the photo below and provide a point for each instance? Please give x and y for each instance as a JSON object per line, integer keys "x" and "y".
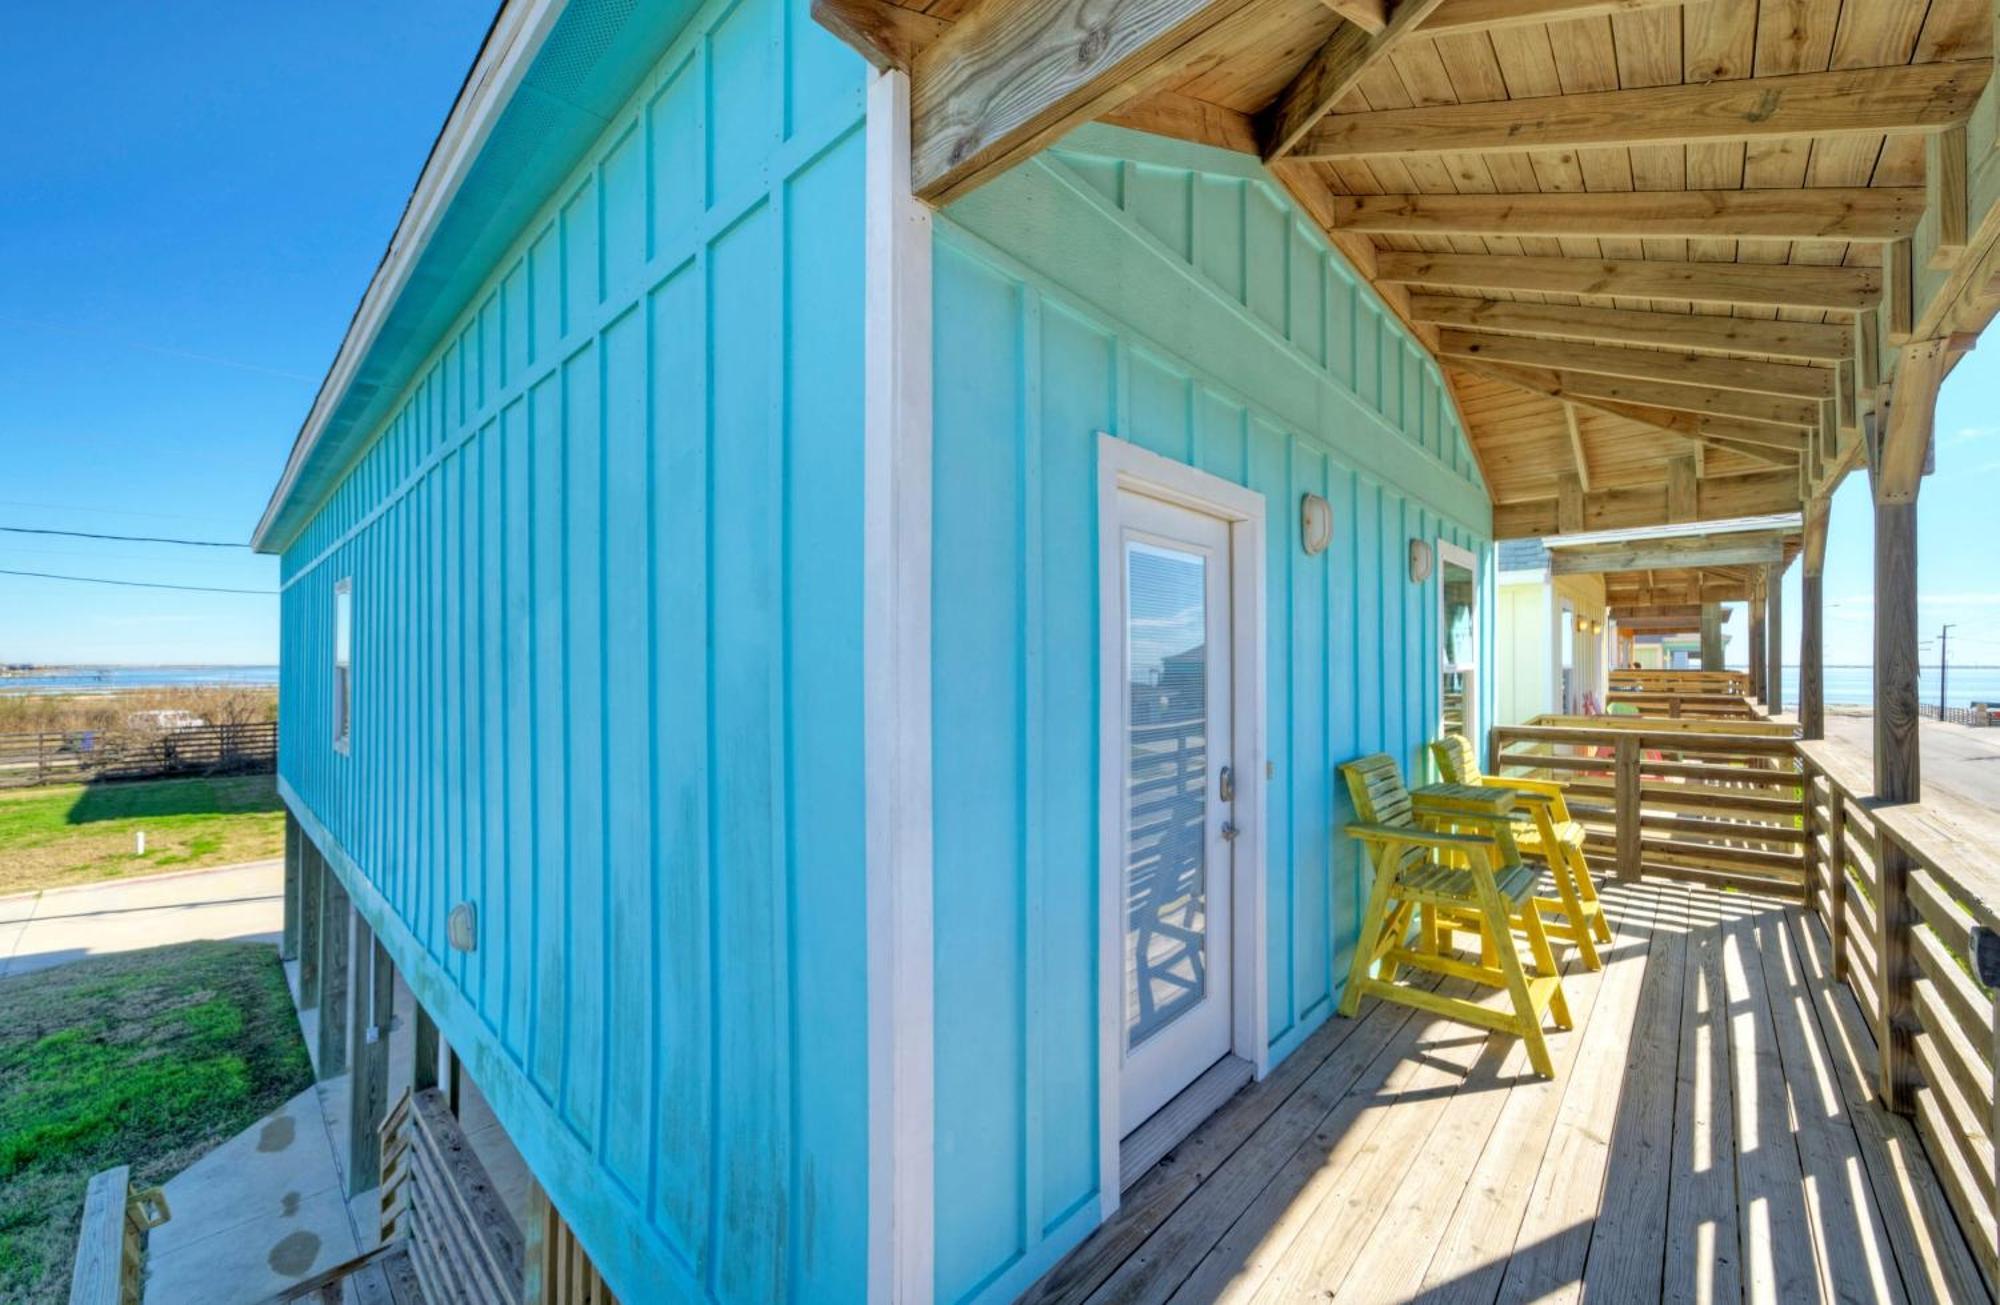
{"x": 1124, "y": 466}
{"x": 896, "y": 642}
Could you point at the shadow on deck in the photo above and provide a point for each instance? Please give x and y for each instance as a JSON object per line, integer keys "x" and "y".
{"x": 1712, "y": 1134}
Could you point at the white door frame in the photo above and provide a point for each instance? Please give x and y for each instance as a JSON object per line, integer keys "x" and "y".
{"x": 1121, "y": 467}
{"x": 1462, "y": 557}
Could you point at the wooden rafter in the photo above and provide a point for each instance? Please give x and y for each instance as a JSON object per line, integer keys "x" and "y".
{"x": 1720, "y": 498}
{"x": 1817, "y": 341}
{"x": 1796, "y": 380}
{"x": 1846, "y": 213}
{"x": 1333, "y": 70}
{"x": 1762, "y": 418}
{"x": 1576, "y": 449}
{"x": 1459, "y": 16}
{"x": 1766, "y": 284}
{"x": 1863, "y": 101}
{"x": 887, "y": 35}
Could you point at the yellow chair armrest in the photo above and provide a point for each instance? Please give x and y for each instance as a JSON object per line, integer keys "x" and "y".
{"x": 1420, "y": 837}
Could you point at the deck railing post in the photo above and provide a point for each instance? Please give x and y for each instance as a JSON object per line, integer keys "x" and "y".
{"x": 1626, "y": 805}
{"x": 1897, "y": 996}
{"x": 1836, "y": 898}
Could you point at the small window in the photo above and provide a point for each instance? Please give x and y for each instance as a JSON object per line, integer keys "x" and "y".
{"x": 343, "y": 645}
{"x": 1459, "y": 627}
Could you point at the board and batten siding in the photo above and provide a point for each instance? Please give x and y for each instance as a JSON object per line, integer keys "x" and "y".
{"x": 1170, "y": 296}
{"x": 606, "y": 565}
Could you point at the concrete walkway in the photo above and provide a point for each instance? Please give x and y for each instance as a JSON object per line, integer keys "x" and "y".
{"x": 38, "y": 930}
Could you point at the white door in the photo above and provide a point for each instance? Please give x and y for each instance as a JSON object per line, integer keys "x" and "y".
{"x": 1173, "y": 868}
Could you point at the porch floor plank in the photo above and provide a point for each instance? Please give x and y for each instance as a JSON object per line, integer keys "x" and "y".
{"x": 1711, "y": 1135}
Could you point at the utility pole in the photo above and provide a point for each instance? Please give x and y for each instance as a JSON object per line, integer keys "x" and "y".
{"x": 1944, "y": 663}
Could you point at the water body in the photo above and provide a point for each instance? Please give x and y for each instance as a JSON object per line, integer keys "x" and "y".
{"x": 112, "y": 679}
{"x": 1855, "y": 685}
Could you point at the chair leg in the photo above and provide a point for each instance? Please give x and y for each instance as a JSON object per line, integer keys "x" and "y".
{"x": 1545, "y": 963}
{"x": 1586, "y": 888}
{"x": 1580, "y": 923}
{"x": 1373, "y": 921}
{"x": 1527, "y": 1024}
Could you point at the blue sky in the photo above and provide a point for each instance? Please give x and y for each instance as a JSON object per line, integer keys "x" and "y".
{"x": 196, "y": 197}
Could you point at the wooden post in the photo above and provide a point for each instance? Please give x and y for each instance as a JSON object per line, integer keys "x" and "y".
{"x": 336, "y": 933}
{"x": 312, "y": 901}
{"x": 1836, "y": 845}
{"x": 1898, "y": 778}
{"x": 1774, "y": 639}
{"x": 368, "y": 1054}
{"x": 1627, "y": 805}
{"x": 288, "y": 945}
{"x": 1711, "y": 637}
{"x": 1812, "y": 655}
{"x": 1756, "y": 654}
{"x": 424, "y": 1072}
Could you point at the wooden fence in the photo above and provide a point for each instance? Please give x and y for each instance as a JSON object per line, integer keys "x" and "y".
{"x": 1900, "y": 899}
{"x": 84, "y": 755}
{"x": 1709, "y": 802}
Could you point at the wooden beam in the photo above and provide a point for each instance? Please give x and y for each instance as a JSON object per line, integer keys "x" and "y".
{"x": 885, "y": 34}
{"x": 1333, "y": 70}
{"x": 1169, "y": 113}
{"x": 1775, "y": 285}
{"x": 368, "y": 1058}
{"x": 1711, "y": 636}
{"x": 1682, "y": 495}
{"x": 1905, "y": 438}
{"x": 1655, "y": 611}
{"x": 1576, "y": 449}
{"x": 1750, "y": 548}
{"x": 1867, "y": 101}
{"x": 1456, "y": 16}
{"x": 1812, "y": 655}
{"x": 1012, "y": 75}
{"x": 1898, "y": 778}
{"x": 1774, "y": 636}
{"x": 1795, "y": 380}
{"x": 1593, "y": 389}
{"x": 336, "y": 933}
{"x": 1755, "y": 656}
{"x": 1815, "y": 341}
{"x": 1847, "y": 213}
{"x": 1898, "y": 275}
{"x": 1945, "y": 184}
{"x": 1368, "y": 15}
{"x": 1721, "y": 498}
{"x": 1569, "y": 504}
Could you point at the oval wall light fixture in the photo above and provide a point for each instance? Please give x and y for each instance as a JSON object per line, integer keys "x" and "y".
{"x": 1421, "y": 560}
{"x": 1315, "y": 524}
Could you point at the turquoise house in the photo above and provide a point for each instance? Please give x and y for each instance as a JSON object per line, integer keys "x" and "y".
{"x": 830, "y": 703}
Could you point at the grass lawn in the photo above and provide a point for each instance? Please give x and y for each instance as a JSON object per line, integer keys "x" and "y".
{"x": 83, "y": 833}
{"x": 144, "y": 1058}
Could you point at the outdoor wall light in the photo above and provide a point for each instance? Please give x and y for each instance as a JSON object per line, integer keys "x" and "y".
{"x": 1315, "y": 524}
{"x": 1421, "y": 560}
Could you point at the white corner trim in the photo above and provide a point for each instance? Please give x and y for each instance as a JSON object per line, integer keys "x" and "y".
{"x": 1125, "y": 466}
{"x": 509, "y": 51}
{"x": 896, "y": 643}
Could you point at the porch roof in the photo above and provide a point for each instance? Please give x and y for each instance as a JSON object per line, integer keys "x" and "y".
{"x": 1671, "y": 257}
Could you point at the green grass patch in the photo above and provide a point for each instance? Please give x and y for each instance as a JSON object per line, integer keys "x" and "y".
{"x": 84, "y": 833}
{"x": 145, "y": 1058}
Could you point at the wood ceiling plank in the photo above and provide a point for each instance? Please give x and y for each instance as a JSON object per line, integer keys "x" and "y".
{"x": 1796, "y": 380}
{"x": 1845, "y": 213}
{"x": 1914, "y": 98}
{"x": 1456, "y": 17}
{"x": 1848, "y": 288}
{"x": 1813, "y": 341}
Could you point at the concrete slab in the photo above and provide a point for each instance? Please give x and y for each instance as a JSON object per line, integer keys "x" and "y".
{"x": 248, "y": 1262}
{"x": 253, "y": 1176}
{"x": 66, "y": 924}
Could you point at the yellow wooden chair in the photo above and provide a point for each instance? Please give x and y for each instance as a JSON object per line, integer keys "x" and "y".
{"x": 1544, "y": 831}
{"x": 1429, "y": 879}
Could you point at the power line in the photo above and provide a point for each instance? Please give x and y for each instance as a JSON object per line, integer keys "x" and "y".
{"x": 140, "y": 584}
{"x": 123, "y": 539}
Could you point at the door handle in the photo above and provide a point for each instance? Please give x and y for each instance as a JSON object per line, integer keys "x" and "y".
{"x": 1225, "y": 785}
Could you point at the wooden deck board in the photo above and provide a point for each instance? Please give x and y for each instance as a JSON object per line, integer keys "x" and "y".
{"x": 1711, "y": 1135}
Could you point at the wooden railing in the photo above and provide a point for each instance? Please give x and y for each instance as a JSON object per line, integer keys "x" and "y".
{"x": 1661, "y": 705}
{"x": 1735, "y": 683}
{"x": 1715, "y": 803}
{"x": 111, "y": 1243}
{"x": 1900, "y": 902}
{"x": 464, "y": 1245}
{"x": 80, "y": 755}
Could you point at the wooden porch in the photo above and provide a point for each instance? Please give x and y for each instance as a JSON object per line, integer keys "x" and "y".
{"x": 1712, "y": 1134}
